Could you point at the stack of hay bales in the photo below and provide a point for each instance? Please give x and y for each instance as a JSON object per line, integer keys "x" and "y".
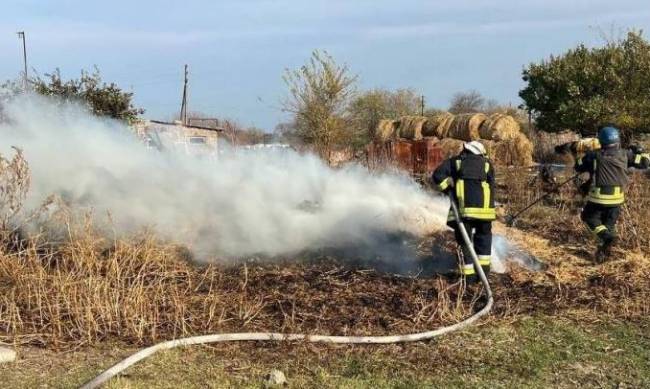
{"x": 499, "y": 127}
{"x": 410, "y": 127}
{"x": 499, "y": 133}
{"x": 386, "y": 130}
{"x": 466, "y": 126}
{"x": 438, "y": 125}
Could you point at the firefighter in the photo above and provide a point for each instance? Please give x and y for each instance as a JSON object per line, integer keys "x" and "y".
{"x": 471, "y": 179}
{"x": 608, "y": 177}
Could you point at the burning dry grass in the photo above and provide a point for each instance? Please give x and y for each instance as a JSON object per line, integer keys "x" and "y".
{"x": 91, "y": 288}
{"x": 142, "y": 290}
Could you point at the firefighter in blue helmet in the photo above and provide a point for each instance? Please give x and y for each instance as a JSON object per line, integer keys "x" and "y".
{"x": 470, "y": 177}
{"x": 608, "y": 178}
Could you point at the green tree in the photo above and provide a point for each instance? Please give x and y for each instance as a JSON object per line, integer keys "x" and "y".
{"x": 102, "y": 99}
{"x": 586, "y": 88}
{"x": 368, "y": 108}
{"x": 319, "y": 94}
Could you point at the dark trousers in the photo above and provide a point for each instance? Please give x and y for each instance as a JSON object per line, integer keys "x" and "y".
{"x": 601, "y": 220}
{"x": 480, "y": 233}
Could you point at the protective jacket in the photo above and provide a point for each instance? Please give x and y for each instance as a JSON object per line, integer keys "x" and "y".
{"x": 472, "y": 179}
{"x": 608, "y": 173}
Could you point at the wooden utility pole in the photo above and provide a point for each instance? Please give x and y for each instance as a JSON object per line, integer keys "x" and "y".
{"x": 422, "y": 106}
{"x": 184, "y": 102}
{"x": 21, "y": 35}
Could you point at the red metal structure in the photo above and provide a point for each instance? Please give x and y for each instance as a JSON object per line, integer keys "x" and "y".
{"x": 418, "y": 157}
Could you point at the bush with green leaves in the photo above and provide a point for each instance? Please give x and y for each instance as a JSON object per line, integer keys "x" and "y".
{"x": 101, "y": 98}
{"x": 586, "y": 88}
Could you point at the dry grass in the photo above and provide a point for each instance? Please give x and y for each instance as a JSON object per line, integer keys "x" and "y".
{"x": 91, "y": 287}
{"x": 141, "y": 290}
{"x": 558, "y": 217}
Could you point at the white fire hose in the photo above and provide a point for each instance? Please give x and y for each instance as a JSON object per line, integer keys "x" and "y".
{"x": 279, "y": 337}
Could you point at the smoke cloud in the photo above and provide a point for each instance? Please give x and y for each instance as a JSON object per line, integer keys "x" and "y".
{"x": 271, "y": 202}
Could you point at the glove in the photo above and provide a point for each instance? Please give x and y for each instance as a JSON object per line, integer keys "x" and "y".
{"x": 637, "y": 149}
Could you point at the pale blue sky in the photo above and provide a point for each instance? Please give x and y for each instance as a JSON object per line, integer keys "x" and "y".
{"x": 237, "y": 50}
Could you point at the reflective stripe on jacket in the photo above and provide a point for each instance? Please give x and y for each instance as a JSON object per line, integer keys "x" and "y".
{"x": 611, "y": 189}
{"x": 473, "y": 180}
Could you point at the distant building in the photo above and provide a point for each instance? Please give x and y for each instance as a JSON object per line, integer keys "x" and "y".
{"x": 190, "y": 139}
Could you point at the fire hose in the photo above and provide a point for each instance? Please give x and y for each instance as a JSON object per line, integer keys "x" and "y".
{"x": 279, "y": 337}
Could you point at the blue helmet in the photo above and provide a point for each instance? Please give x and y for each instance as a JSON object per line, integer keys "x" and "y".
{"x": 609, "y": 136}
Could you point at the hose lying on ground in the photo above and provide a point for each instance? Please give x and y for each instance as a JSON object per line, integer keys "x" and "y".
{"x": 279, "y": 337}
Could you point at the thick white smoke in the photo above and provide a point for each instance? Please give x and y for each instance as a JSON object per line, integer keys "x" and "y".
{"x": 246, "y": 202}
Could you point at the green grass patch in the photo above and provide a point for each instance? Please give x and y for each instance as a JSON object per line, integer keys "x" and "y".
{"x": 533, "y": 352}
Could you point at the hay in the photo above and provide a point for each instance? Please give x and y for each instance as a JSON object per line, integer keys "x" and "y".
{"x": 489, "y": 147}
{"x": 445, "y": 125}
{"x": 545, "y": 142}
{"x": 385, "y": 130}
{"x": 499, "y": 127}
{"x": 438, "y": 125}
{"x": 450, "y": 147}
{"x": 466, "y": 127}
{"x": 411, "y": 127}
{"x": 517, "y": 151}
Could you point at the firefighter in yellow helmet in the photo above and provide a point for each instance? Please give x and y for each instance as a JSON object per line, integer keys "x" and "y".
{"x": 608, "y": 177}
{"x": 470, "y": 177}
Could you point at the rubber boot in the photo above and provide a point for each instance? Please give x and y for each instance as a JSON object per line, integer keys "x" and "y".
{"x": 472, "y": 279}
{"x": 604, "y": 250}
{"x": 608, "y": 244}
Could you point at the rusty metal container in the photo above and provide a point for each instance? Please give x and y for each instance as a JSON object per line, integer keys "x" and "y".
{"x": 426, "y": 156}
{"x": 418, "y": 158}
{"x": 403, "y": 154}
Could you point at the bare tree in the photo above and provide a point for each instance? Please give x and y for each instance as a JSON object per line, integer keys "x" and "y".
{"x": 467, "y": 102}
{"x": 319, "y": 93}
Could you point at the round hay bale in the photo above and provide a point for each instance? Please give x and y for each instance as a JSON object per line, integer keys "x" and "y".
{"x": 517, "y": 151}
{"x": 450, "y": 147}
{"x": 445, "y": 125}
{"x": 385, "y": 130}
{"x": 466, "y": 126}
{"x": 437, "y": 125}
{"x": 499, "y": 127}
{"x": 411, "y": 127}
{"x": 489, "y": 147}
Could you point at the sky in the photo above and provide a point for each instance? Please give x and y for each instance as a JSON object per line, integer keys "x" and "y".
{"x": 237, "y": 50}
